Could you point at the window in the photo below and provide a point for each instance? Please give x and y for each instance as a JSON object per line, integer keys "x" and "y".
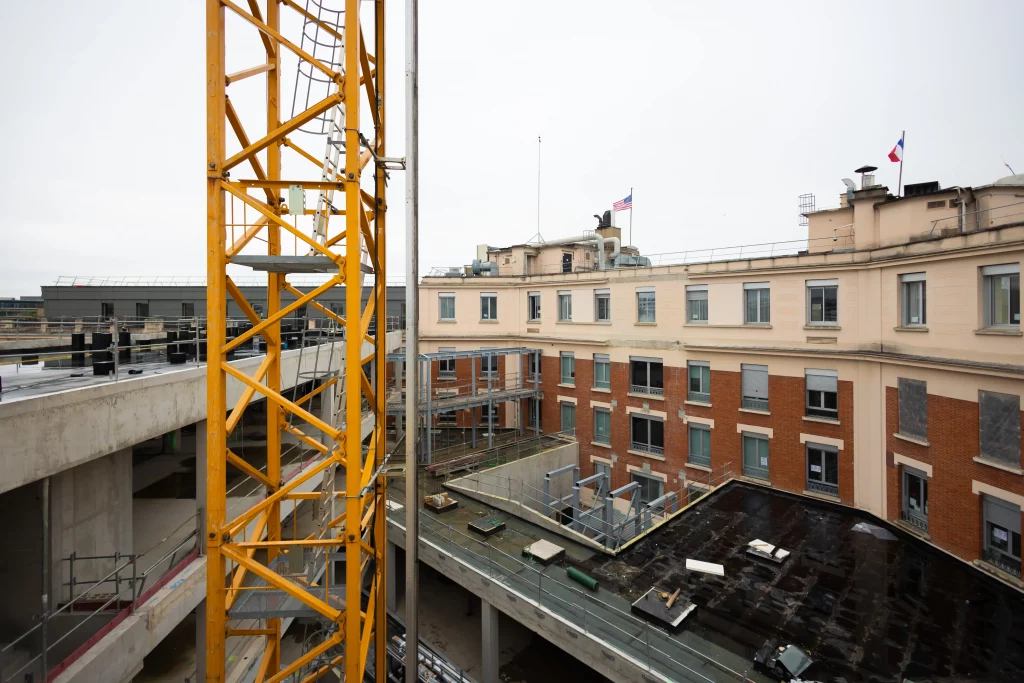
{"x": 602, "y": 426}
{"x": 940, "y": 204}
{"x": 568, "y": 417}
{"x": 142, "y": 310}
{"x": 107, "y": 310}
{"x": 822, "y": 302}
{"x": 700, "y": 444}
{"x": 566, "y": 261}
{"x": 754, "y": 381}
{"x": 603, "y": 305}
{"x": 447, "y": 418}
{"x": 534, "y": 414}
{"x": 647, "y": 434}
{"x": 605, "y": 469}
{"x": 914, "y": 509}
{"x": 568, "y": 365}
{"x": 823, "y": 469}
{"x": 912, "y": 395}
{"x": 1002, "y": 295}
{"x": 445, "y": 366}
{"x": 756, "y": 303}
{"x": 188, "y": 309}
{"x": 489, "y": 365}
{"x": 650, "y": 487}
{"x": 490, "y": 416}
{"x": 697, "y": 304}
{"x": 755, "y": 455}
{"x": 534, "y": 365}
{"x": 912, "y": 294}
{"x": 533, "y": 305}
{"x": 699, "y": 374}
{"x": 565, "y": 306}
{"x": 446, "y": 306}
{"x": 1002, "y": 534}
{"x": 646, "y": 376}
{"x": 1000, "y": 427}
{"x": 488, "y": 306}
{"x": 645, "y": 305}
{"x": 822, "y": 393}
{"x": 602, "y": 371}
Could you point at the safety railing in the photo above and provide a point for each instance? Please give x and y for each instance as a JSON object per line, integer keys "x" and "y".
{"x": 646, "y": 448}
{"x": 754, "y": 403}
{"x": 981, "y": 219}
{"x": 613, "y": 627}
{"x": 298, "y": 280}
{"x": 644, "y": 389}
{"x": 129, "y": 591}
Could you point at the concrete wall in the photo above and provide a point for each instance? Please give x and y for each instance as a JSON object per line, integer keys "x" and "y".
{"x": 21, "y": 536}
{"x": 527, "y": 477}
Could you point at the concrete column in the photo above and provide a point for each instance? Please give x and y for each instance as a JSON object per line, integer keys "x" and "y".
{"x": 200, "y": 675}
{"x": 327, "y": 412}
{"x": 201, "y": 483}
{"x": 489, "y": 638}
{"x": 91, "y": 508}
{"x": 391, "y": 590}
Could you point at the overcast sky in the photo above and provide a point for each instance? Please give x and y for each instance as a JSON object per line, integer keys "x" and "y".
{"x": 717, "y": 114}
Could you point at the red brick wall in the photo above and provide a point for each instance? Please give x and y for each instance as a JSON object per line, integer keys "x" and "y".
{"x": 954, "y": 512}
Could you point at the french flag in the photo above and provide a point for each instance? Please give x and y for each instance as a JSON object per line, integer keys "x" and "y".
{"x": 897, "y": 152}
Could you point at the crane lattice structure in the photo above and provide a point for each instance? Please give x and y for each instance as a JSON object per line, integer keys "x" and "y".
{"x": 247, "y": 217}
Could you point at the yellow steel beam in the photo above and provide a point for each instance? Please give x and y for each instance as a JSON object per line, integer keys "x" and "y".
{"x": 269, "y": 655}
{"x": 245, "y": 467}
{"x": 276, "y": 317}
{"x": 239, "y": 575}
{"x": 246, "y": 73}
{"x": 318, "y": 306}
{"x": 243, "y": 140}
{"x": 282, "y": 130}
{"x": 254, "y": 7}
{"x": 287, "y": 405}
{"x": 260, "y": 183}
{"x": 240, "y": 522}
{"x": 236, "y": 632}
{"x": 247, "y": 394}
{"x": 244, "y": 239}
{"x": 307, "y": 658}
{"x": 329, "y": 383}
{"x": 292, "y": 590}
{"x": 247, "y": 310}
{"x": 266, "y": 211}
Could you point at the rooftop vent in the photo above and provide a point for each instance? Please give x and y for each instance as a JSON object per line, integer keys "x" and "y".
{"x": 918, "y": 189}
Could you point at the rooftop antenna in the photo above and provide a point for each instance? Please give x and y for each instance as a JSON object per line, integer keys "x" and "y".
{"x": 1012, "y": 172}
{"x": 538, "y": 238}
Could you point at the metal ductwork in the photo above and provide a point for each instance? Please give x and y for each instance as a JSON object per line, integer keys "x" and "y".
{"x": 489, "y": 268}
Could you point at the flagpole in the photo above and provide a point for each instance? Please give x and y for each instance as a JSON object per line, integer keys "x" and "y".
{"x": 899, "y": 184}
{"x": 631, "y": 216}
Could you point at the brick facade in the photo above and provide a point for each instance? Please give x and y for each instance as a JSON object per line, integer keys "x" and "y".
{"x": 954, "y": 511}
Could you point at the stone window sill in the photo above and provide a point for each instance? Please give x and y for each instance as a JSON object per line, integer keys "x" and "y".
{"x": 822, "y": 420}
{"x": 755, "y": 480}
{"x": 697, "y": 403}
{"x": 563, "y": 322}
{"x": 645, "y": 324}
{"x": 755, "y": 412}
{"x": 827, "y": 328}
{"x": 445, "y": 321}
{"x": 643, "y": 396}
{"x": 601, "y": 390}
{"x": 533, "y": 320}
{"x": 998, "y": 465}
{"x": 702, "y": 468}
{"x": 761, "y": 326}
{"x": 823, "y": 496}
{"x": 652, "y": 456}
{"x": 489, "y": 322}
{"x": 600, "y": 445}
{"x": 910, "y": 328}
{"x": 566, "y": 386}
{"x": 698, "y": 324}
{"x": 1000, "y": 331}
{"x": 913, "y": 439}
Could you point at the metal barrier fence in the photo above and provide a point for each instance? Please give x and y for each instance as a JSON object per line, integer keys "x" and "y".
{"x": 615, "y": 628}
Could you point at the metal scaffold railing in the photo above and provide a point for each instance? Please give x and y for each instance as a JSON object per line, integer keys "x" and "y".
{"x": 256, "y": 219}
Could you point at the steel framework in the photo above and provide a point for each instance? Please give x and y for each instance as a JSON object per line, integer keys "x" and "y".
{"x": 355, "y": 84}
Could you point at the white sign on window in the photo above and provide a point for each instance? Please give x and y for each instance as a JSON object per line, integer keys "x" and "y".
{"x": 815, "y": 468}
{"x": 764, "y": 461}
{"x": 1000, "y": 535}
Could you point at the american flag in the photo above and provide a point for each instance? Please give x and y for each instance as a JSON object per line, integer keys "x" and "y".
{"x": 624, "y": 204}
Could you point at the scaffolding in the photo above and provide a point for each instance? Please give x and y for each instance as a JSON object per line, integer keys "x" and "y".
{"x": 270, "y": 577}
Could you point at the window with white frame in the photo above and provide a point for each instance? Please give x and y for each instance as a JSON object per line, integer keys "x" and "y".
{"x": 700, "y": 444}
{"x": 699, "y": 381}
{"x": 605, "y": 469}
{"x": 567, "y": 360}
{"x": 697, "y": 304}
{"x": 446, "y": 306}
{"x": 1000, "y": 427}
{"x": 822, "y": 393}
{"x": 565, "y": 306}
{"x": 602, "y": 371}
{"x": 1002, "y": 295}
{"x": 914, "y": 505}
{"x": 755, "y": 455}
{"x": 823, "y": 469}
{"x": 445, "y": 366}
{"x": 754, "y": 386}
{"x": 602, "y": 426}
{"x": 912, "y": 397}
{"x": 645, "y": 305}
{"x": 534, "y": 365}
{"x": 533, "y": 306}
{"x": 757, "y": 305}
{"x": 489, "y": 364}
{"x": 646, "y": 376}
{"x": 646, "y": 434}
{"x": 1002, "y": 534}
{"x": 912, "y": 300}
{"x": 823, "y": 302}
{"x": 568, "y": 417}
{"x": 603, "y": 305}
{"x": 651, "y": 488}
{"x": 488, "y": 305}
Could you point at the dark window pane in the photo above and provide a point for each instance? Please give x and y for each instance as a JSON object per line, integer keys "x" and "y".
{"x": 831, "y": 304}
{"x": 831, "y": 400}
{"x": 657, "y": 375}
{"x": 657, "y": 433}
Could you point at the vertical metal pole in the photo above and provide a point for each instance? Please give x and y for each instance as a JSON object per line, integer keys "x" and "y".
{"x": 412, "y": 303}
{"x": 45, "y": 597}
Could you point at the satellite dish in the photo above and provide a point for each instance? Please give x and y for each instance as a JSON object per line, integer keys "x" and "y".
{"x": 849, "y": 184}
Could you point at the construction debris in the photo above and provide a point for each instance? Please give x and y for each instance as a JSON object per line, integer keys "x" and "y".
{"x": 544, "y": 551}
{"x": 766, "y": 551}
{"x": 668, "y": 611}
{"x": 440, "y": 502}
{"x": 706, "y": 567}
